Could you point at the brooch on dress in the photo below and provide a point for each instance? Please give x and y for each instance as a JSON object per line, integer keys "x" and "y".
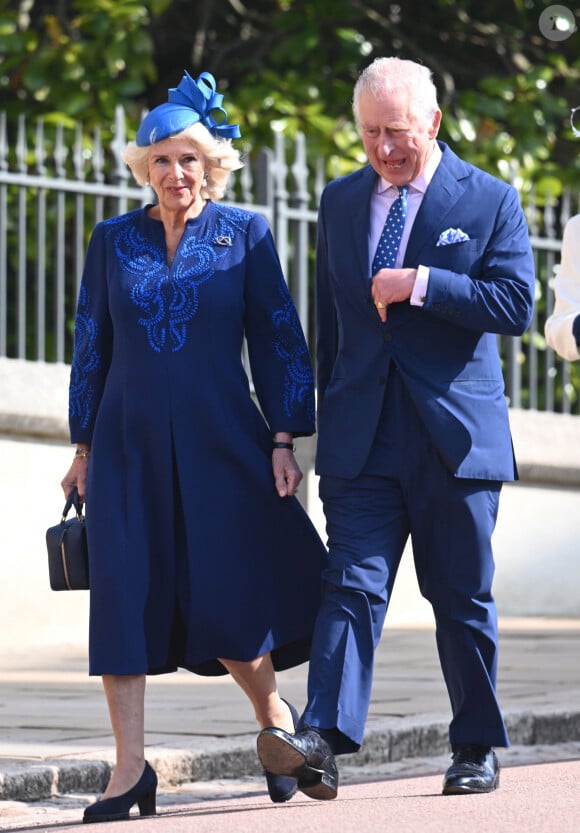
{"x": 223, "y": 240}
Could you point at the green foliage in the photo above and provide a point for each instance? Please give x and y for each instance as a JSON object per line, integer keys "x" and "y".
{"x": 506, "y": 90}
{"x": 513, "y": 130}
{"x": 75, "y": 61}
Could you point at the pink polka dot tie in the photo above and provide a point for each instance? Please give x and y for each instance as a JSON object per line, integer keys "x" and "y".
{"x": 386, "y": 253}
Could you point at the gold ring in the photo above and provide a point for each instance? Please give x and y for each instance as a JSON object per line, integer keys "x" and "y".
{"x": 380, "y": 305}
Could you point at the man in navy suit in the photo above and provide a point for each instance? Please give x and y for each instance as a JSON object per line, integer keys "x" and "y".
{"x": 414, "y": 437}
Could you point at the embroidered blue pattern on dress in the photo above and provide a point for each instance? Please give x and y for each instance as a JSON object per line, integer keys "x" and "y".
{"x": 291, "y": 348}
{"x": 169, "y": 304}
{"x": 86, "y": 361}
{"x": 169, "y": 300}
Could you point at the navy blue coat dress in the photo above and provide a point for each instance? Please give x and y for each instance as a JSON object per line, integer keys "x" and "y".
{"x": 193, "y": 555}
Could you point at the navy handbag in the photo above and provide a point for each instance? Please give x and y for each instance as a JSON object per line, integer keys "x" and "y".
{"x": 68, "y": 561}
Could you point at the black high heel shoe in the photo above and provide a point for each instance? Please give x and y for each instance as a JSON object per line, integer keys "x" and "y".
{"x": 117, "y": 808}
{"x": 281, "y": 788}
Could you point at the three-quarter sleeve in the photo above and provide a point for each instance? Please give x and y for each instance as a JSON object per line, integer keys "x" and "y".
{"x": 92, "y": 342}
{"x": 279, "y": 357}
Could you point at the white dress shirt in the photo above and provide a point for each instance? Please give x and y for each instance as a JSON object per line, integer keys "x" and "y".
{"x": 383, "y": 196}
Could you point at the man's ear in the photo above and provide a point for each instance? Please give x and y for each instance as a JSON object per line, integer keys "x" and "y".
{"x": 435, "y": 125}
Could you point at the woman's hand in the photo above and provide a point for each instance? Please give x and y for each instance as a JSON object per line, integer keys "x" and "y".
{"x": 287, "y": 474}
{"x": 76, "y": 476}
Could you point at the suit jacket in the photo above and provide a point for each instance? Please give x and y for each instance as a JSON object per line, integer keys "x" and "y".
{"x": 559, "y": 332}
{"x": 446, "y": 351}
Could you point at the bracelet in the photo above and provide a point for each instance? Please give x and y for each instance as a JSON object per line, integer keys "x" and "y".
{"x": 82, "y": 452}
{"x": 289, "y": 446}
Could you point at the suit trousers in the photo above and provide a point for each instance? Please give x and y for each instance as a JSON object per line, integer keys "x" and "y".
{"x": 404, "y": 489}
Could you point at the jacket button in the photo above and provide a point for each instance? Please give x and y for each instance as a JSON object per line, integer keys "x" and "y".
{"x": 388, "y": 337}
{"x": 382, "y": 380}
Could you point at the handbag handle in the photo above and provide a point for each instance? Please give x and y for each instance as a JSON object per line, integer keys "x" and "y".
{"x": 73, "y": 500}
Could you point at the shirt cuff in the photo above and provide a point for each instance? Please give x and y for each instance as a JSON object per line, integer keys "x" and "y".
{"x": 420, "y": 288}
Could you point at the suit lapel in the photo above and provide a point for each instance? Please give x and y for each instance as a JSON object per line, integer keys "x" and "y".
{"x": 360, "y": 208}
{"x": 444, "y": 190}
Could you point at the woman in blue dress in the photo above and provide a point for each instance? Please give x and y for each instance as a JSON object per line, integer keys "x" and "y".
{"x": 201, "y": 556}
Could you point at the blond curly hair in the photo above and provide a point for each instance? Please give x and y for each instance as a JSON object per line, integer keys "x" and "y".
{"x": 219, "y": 157}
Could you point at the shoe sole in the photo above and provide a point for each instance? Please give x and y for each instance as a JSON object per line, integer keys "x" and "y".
{"x": 281, "y": 758}
{"x": 115, "y": 817}
{"x": 106, "y": 817}
{"x": 278, "y": 756}
{"x": 465, "y": 789}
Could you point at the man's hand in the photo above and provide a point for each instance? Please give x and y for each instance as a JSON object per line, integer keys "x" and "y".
{"x": 391, "y": 285}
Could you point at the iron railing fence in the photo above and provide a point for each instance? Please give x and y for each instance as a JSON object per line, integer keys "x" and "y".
{"x": 53, "y": 190}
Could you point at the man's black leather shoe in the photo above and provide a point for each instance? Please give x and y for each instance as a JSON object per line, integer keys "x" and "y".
{"x": 305, "y": 756}
{"x": 474, "y": 770}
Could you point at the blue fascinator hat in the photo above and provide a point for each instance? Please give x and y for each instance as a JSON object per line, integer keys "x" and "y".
{"x": 191, "y": 101}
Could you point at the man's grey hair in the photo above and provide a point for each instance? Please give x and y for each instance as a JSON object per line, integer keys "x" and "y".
{"x": 387, "y": 75}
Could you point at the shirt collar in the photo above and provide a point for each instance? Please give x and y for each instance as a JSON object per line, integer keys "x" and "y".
{"x": 422, "y": 181}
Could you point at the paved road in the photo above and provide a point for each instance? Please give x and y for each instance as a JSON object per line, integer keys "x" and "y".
{"x": 533, "y": 798}
{"x": 56, "y": 748}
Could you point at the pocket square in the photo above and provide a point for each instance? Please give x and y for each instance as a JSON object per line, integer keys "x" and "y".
{"x": 452, "y": 235}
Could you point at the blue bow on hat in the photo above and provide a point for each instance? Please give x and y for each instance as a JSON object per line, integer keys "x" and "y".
{"x": 191, "y": 101}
